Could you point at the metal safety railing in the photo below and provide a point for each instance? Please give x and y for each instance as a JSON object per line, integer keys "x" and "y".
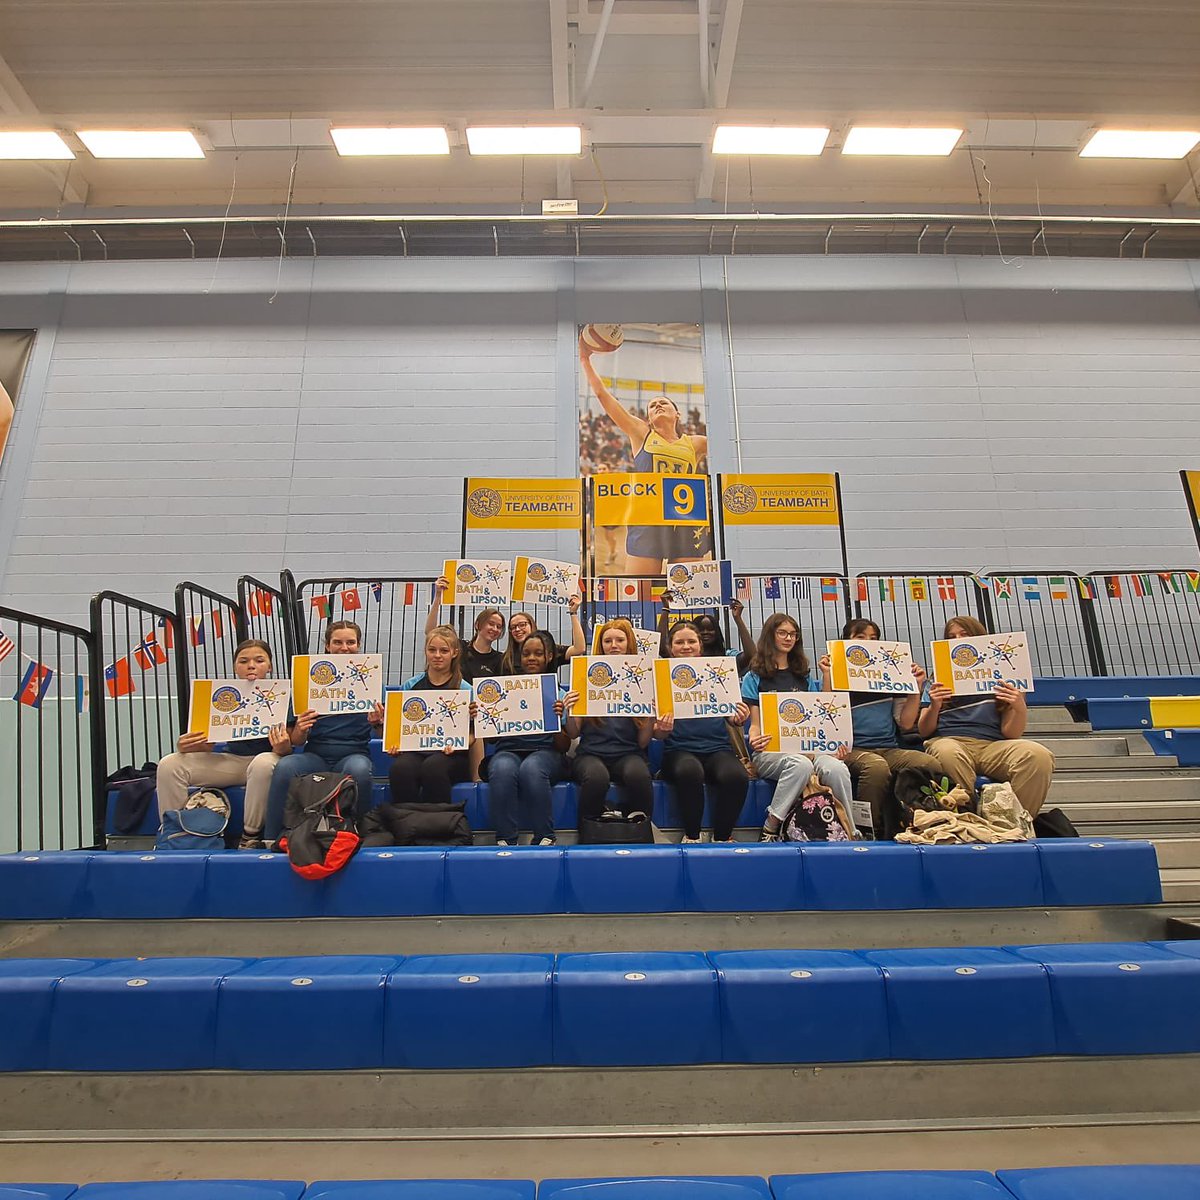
{"x": 210, "y": 627}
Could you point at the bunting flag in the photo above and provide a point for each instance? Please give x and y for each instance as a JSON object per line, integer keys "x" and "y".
{"x": 800, "y": 588}
{"x": 916, "y": 590}
{"x": 83, "y": 694}
{"x": 7, "y": 645}
{"x": 1170, "y": 581}
{"x": 1112, "y": 585}
{"x": 741, "y": 588}
{"x": 377, "y": 592}
{"x": 946, "y": 588}
{"x": 629, "y": 589}
{"x": 1140, "y": 584}
{"x": 1058, "y": 587}
{"x": 1193, "y": 585}
{"x": 829, "y": 589}
{"x": 196, "y": 632}
{"x": 118, "y": 679}
{"x": 410, "y": 594}
{"x": 168, "y": 632}
{"x": 771, "y": 588}
{"x": 34, "y": 685}
{"x": 1030, "y": 588}
{"x": 602, "y": 589}
{"x": 260, "y": 602}
{"x": 321, "y": 604}
{"x": 1002, "y": 586}
{"x": 1087, "y": 589}
{"x": 149, "y": 653}
{"x": 862, "y": 590}
{"x": 351, "y": 600}
{"x": 217, "y": 625}
{"x": 887, "y": 589}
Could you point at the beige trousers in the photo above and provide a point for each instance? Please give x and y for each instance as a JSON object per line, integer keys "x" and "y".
{"x": 1026, "y": 765}
{"x": 177, "y": 772}
{"x": 873, "y": 770}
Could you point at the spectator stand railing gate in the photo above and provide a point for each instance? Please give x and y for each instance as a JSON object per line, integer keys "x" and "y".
{"x": 135, "y": 682}
{"x": 210, "y": 627}
{"x": 1055, "y": 611}
{"x": 51, "y": 765}
{"x": 266, "y": 614}
{"x": 1147, "y": 622}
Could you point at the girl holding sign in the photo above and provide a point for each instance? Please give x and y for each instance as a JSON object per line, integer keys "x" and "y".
{"x": 612, "y": 749}
{"x": 699, "y": 749}
{"x": 198, "y": 763}
{"x": 779, "y": 664}
{"x": 522, "y": 624}
{"x": 339, "y": 742}
{"x": 480, "y": 655}
{"x": 524, "y": 770}
{"x": 877, "y": 716}
{"x": 420, "y": 777}
{"x": 970, "y": 736}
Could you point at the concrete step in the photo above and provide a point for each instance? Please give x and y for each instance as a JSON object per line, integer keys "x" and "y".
{"x": 1124, "y": 787}
{"x": 1137, "y": 818}
{"x": 1096, "y": 745}
{"x": 1054, "y": 719}
{"x": 1181, "y": 885}
{"x": 1176, "y": 852}
{"x": 1113, "y": 764}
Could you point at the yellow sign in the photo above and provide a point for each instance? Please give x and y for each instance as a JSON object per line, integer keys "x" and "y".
{"x": 622, "y": 499}
{"x": 779, "y": 500}
{"x": 524, "y": 504}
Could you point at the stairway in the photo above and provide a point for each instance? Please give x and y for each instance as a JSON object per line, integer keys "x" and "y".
{"x": 1112, "y": 783}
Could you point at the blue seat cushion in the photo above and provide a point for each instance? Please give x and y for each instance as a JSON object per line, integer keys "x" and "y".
{"x": 1149, "y": 1182}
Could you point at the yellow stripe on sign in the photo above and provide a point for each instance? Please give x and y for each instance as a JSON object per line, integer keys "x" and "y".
{"x": 450, "y": 571}
{"x": 520, "y": 578}
{"x": 943, "y": 669}
{"x": 664, "y": 702}
{"x": 839, "y": 670}
{"x": 1175, "y": 712}
{"x": 768, "y": 716}
{"x": 579, "y": 672}
{"x": 201, "y": 706}
{"x": 393, "y": 710}
{"x": 300, "y": 666}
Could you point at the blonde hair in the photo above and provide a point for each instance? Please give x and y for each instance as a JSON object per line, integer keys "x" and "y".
{"x": 450, "y": 636}
{"x": 969, "y": 625}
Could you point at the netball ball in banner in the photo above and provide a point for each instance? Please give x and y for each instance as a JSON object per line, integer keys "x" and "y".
{"x": 604, "y": 339}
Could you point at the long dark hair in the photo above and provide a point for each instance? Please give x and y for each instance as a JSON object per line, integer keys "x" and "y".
{"x": 548, "y": 644}
{"x": 858, "y": 626}
{"x": 762, "y": 662}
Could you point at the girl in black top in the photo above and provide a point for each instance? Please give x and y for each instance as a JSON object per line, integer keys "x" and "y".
{"x": 480, "y": 655}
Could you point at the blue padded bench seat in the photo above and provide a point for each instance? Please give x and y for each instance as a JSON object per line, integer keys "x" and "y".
{"x": 194, "y": 1189}
{"x": 422, "y": 1189}
{"x": 890, "y": 1185}
{"x": 36, "y": 1191}
{"x": 490, "y": 880}
{"x": 1157, "y": 1181}
{"x": 671, "y": 1187}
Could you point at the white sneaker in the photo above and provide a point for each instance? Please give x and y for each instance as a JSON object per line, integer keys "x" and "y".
{"x": 687, "y": 841}
{"x": 502, "y": 842}
{"x": 545, "y": 842}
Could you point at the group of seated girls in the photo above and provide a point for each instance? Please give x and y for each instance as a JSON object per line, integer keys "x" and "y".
{"x": 964, "y": 736}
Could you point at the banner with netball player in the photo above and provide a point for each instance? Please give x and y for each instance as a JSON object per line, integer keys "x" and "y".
{"x": 15, "y": 345}
{"x": 642, "y": 417}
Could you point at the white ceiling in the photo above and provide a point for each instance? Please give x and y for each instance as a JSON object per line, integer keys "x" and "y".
{"x": 262, "y": 80}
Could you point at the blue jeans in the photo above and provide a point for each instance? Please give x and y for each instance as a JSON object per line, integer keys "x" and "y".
{"x": 515, "y": 779}
{"x": 305, "y": 762}
{"x": 792, "y": 771}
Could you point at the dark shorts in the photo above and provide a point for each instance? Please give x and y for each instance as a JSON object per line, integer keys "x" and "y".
{"x": 669, "y": 542}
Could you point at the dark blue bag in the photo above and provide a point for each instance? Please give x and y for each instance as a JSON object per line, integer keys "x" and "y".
{"x": 198, "y": 825}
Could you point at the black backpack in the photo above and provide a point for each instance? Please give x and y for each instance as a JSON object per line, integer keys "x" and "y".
{"x": 320, "y": 834}
{"x": 612, "y": 828}
{"x": 816, "y": 817}
{"x": 416, "y": 825}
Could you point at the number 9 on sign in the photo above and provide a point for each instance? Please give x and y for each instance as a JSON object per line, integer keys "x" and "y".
{"x": 685, "y": 500}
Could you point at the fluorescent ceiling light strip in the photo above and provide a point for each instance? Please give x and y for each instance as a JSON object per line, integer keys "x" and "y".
{"x": 864, "y": 139}
{"x": 1135, "y": 143}
{"x": 769, "y": 139}
{"x": 391, "y": 140}
{"x": 524, "y": 139}
{"x": 41, "y": 144}
{"x": 141, "y": 143}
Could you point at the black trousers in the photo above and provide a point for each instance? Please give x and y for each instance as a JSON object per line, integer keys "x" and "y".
{"x": 630, "y": 772}
{"x": 725, "y": 775}
{"x": 419, "y": 777}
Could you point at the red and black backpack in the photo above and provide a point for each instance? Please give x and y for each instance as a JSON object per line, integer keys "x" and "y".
{"x": 320, "y": 833}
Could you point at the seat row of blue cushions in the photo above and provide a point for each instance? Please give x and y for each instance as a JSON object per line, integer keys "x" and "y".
{"x": 485, "y": 880}
{"x": 1156, "y": 1182}
{"x": 619, "y": 1009}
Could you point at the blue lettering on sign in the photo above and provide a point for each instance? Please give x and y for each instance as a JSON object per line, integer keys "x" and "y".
{"x": 610, "y": 490}
{"x": 350, "y": 705}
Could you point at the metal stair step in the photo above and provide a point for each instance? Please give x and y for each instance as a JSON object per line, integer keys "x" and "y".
{"x": 1118, "y": 814}
{"x": 1111, "y": 764}
{"x": 1177, "y": 852}
{"x": 1091, "y": 745}
{"x": 1121, "y": 787}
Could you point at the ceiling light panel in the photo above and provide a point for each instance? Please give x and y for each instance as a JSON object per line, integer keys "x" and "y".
{"x": 391, "y": 140}
{"x": 524, "y": 139}
{"x": 1134, "y": 143}
{"x": 769, "y": 139}
{"x": 863, "y": 139}
{"x": 34, "y": 145}
{"x": 141, "y": 143}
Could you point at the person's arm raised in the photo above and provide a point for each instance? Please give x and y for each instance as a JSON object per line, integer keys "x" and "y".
{"x": 634, "y": 428}
{"x": 431, "y": 621}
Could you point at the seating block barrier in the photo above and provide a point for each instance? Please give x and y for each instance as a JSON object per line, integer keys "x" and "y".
{"x": 309, "y": 1013}
{"x": 623, "y": 879}
{"x": 741, "y": 878}
{"x": 469, "y": 1010}
{"x": 629, "y": 1009}
{"x": 780, "y": 1006}
{"x": 491, "y": 880}
{"x": 26, "y": 995}
{"x": 1099, "y": 870}
{"x": 889, "y": 1185}
{"x": 982, "y": 876}
{"x": 675, "y": 1187}
{"x": 1073, "y": 689}
{"x": 965, "y": 1002}
{"x": 154, "y": 1014}
{"x": 1145, "y": 1181}
{"x": 1120, "y": 997}
{"x": 44, "y": 885}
